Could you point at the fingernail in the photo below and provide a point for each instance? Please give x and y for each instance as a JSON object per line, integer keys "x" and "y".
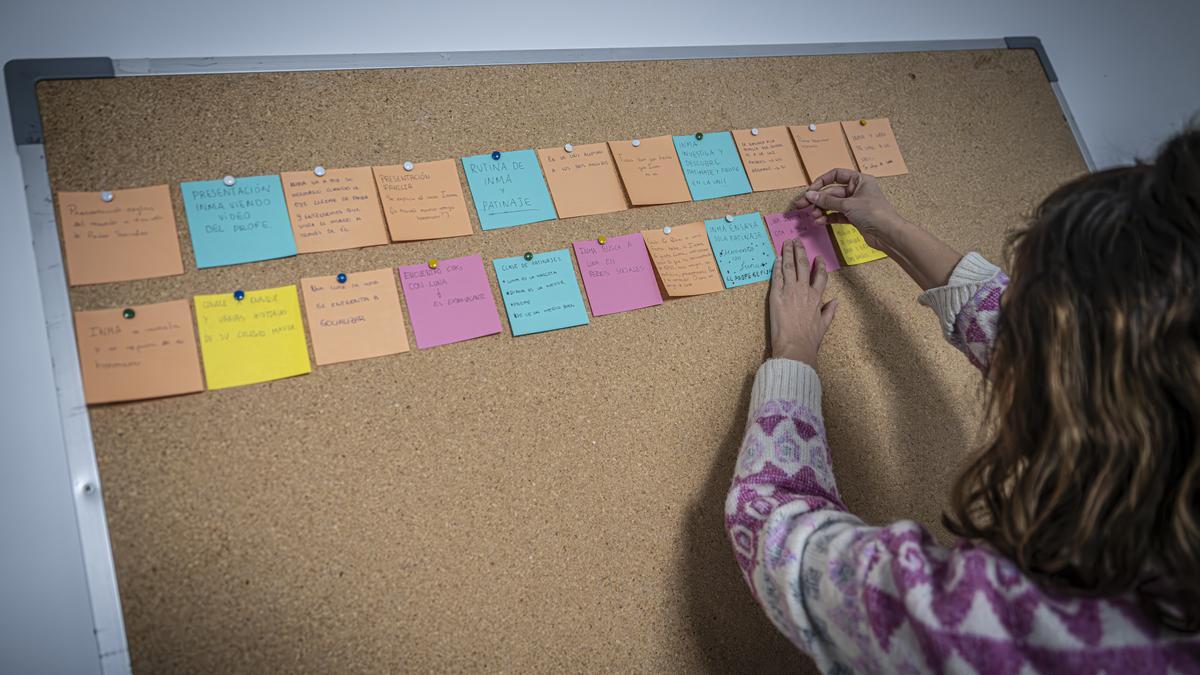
{"x": 811, "y": 196}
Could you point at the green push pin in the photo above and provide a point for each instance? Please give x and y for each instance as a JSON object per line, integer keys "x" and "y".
{"x": 699, "y": 136}
{"x": 528, "y": 256}
{"x": 128, "y": 313}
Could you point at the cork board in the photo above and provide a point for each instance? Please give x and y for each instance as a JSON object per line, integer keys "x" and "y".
{"x": 546, "y": 503}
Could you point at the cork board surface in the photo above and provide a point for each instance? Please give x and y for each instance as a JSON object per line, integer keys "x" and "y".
{"x": 547, "y": 503}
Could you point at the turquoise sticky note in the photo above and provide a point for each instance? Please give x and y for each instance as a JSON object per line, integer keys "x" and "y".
{"x": 239, "y": 223}
{"x": 541, "y": 293}
{"x": 742, "y": 248}
{"x": 510, "y": 190}
{"x": 712, "y": 165}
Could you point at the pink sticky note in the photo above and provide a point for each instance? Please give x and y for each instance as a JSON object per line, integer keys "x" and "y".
{"x": 793, "y": 224}
{"x": 451, "y": 303}
{"x": 617, "y": 274}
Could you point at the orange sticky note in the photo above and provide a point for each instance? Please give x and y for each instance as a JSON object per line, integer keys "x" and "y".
{"x": 334, "y": 211}
{"x": 582, "y": 182}
{"x": 684, "y": 260}
{"x": 770, "y": 158}
{"x": 822, "y": 150}
{"x": 651, "y": 171}
{"x": 424, "y": 203}
{"x": 875, "y": 147}
{"x": 131, "y": 237}
{"x": 149, "y": 355}
{"x": 358, "y": 319}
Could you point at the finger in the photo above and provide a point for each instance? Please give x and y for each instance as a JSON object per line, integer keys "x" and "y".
{"x": 776, "y": 275}
{"x": 789, "y": 263}
{"x": 801, "y": 258}
{"x": 819, "y": 276}
{"x": 828, "y": 311}
{"x": 823, "y": 219}
{"x": 833, "y": 176}
{"x": 825, "y": 200}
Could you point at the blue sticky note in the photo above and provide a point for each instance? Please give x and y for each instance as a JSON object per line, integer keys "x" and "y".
{"x": 540, "y": 294}
{"x": 712, "y": 166}
{"x": 239, "y": 223}
{"x": 742, "y": 247}
{"x": 510, "y": 190}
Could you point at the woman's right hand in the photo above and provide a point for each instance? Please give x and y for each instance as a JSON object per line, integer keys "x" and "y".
{"x": 855, "y": 198}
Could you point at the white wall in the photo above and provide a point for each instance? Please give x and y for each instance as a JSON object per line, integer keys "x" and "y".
{"x": 1130, "y": 74}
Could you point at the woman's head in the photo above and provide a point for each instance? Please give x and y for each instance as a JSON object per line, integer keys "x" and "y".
{"x": 1090, "y": 480}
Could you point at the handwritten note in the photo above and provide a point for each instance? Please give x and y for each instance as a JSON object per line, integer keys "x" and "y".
{"x": 335, "y": 211}
{"x": 770, "y": 158}
{"x": 650, "y": 171}
{"x": 508, "y": 191}
{"x": 711, "y": 165}
{"x": 424, "y": 203}
{"x": 255, "y": 339}
{"x": 822, "y": 150}
{"x": 451, "y": 303}
{"x": 684, "y": 260}
{"x": 742, "y": 249}
{"x": 583, "y": 182}
{"x": 540, "y": 294}
{"x": 855, "y": 249}
{"x": 241, "y": 223}
{"x": 799, "y": 224}
{"x": 358, "y": 319}
{"x": 149, "y": 355}
{"x": 131, "y": 237}
{"x": 617, "y": 274}
{"x": 875, "y": 147}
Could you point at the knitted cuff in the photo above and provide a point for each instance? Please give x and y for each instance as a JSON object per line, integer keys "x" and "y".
{"x": 946, "y": 301}
{"x": 787, "y": 380}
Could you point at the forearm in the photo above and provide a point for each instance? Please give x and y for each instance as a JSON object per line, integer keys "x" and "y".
{"x": 927, "y": 259}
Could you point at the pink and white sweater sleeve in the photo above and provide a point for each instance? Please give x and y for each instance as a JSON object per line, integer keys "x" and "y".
{"x": 862, "y": 599}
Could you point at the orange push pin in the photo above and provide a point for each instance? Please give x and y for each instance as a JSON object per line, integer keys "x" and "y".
{"x": 433, "y": 263}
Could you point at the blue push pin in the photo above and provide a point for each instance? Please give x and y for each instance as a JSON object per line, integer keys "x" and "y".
{"x": 496, "y": 155}
{"x": 341, "y": 277}
{"x": 239, "y": 295}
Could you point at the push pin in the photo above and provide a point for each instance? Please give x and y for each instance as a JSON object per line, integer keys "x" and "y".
{"x": 862, "y": 123}
{"x": 699, "y": 136}
{"x": 496, "y": 154}
{"x": 229, "y": 180}
{"x": 528, "y": 256}
{"x": 635, "y": 143}
{"x": 812, "y": 126}
{"x": 667, "y": 230}
{"x": 602, "y": 240}
{"x": 754, "y": 132}
{"x": 408, "y": 166}
{"x": 569, "y": 148}
{"x": 239, "y": 295}
{"x": 128, "y": 313}
{"x": 106, "y": 196}
{"x": 341, "y": 277}
{"x": 319, "y": 170}
{"x": 433, "y": 263}
{"x": 728, "y": 218}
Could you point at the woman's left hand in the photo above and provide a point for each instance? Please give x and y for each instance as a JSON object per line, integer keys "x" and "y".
{"x": 799, "y": 318}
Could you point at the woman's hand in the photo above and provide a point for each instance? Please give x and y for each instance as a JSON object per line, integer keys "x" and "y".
{"x": 799, "y": 319}
{"x": 854, "y": 198}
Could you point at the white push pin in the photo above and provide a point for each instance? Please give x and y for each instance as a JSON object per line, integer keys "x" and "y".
{"x": 106, "y": 196}
{"x": 635, "y": 143}
{"x": 408, "y": 166}
{"x": 812, "y": 127}
{"x": 229, "y": 180}
{"x": 754, "y": 132}
{"x": 728, "y": 218}
{"x": 319, "y": 170}
{"x": 667, "y": 230}
{"x": 569, "y": 148}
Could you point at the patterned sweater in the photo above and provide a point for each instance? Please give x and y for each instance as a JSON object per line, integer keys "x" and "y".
{"x": 863, "y": 599}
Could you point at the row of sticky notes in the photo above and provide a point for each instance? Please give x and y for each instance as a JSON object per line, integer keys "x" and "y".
{"x": 150, "y": 351}
{"x": 131, "y": 234}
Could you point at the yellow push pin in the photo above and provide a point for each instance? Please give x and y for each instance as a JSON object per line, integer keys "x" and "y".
{"x": 862, "y": 123}
{"x": 602, "y": 240}
{"x": 433, "y": 263}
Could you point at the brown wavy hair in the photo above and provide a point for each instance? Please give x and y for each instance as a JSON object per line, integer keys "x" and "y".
{"x": 1089, "y": 479}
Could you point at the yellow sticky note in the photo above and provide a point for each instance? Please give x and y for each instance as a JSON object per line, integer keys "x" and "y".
{"x": 255, "y": 339}
{"x": 855, "y": 249}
